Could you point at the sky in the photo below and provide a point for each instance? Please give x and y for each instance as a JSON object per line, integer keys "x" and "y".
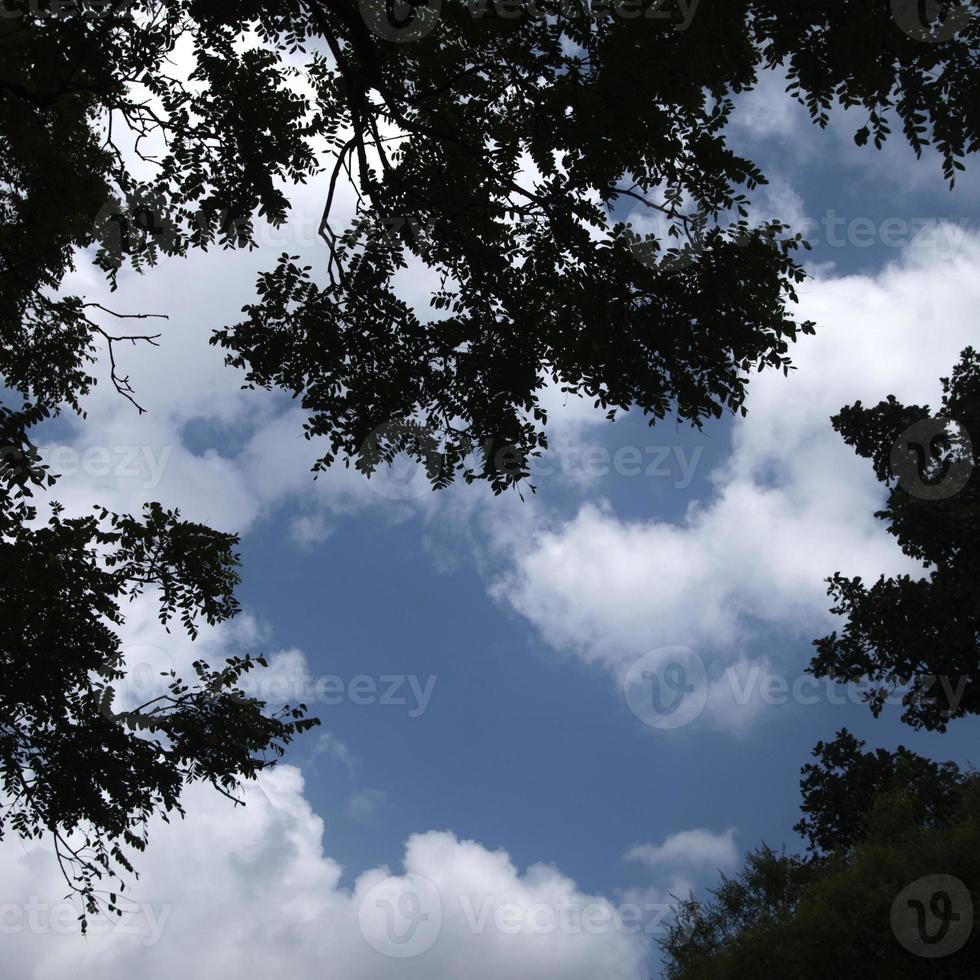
{"x": 493, "y": 791}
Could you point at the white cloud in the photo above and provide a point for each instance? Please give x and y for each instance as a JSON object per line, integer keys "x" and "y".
{"x": 792, "y": 503}
{"x": 689, "y": 849}
{"x": 684, "y": 860}
{"x": 250, "y": 891}
{"x": 768, "y": 112}
{"x": 236, "y": 890}
{"x": 327, "y": 744}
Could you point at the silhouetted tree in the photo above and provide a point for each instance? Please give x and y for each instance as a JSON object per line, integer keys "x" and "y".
{"x": 436, "y": 121}
{"x": 840, "y": 789}
{"x": 896, "y": 855}
{"x": 71, "y": 765}
{"x": 918, "y": 633}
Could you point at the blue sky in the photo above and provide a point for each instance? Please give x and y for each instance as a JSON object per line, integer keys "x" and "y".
{"x": 516, "y": 621}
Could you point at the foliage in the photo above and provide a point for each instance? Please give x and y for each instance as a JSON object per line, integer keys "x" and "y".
{"x": 840, "y": 789}
{"x": 918, "y": 633}
{"x": 70, "y": 765}
{"x": 438, "y": 122}
{"x": 832, "y": 914}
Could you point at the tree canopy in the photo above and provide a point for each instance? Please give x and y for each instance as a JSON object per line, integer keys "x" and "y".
{"x": 72, "y": 765}
{"x": 882, "y": 895}
{"x": 918, "y": 634}
{"x": 503, "y": 147}
{"x": 438, "y": 121}
{"x": 892, "y": 837}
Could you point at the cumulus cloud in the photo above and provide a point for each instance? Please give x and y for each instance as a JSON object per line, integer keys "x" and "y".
{"x": 791, "y": 505}
{"x": 235, "y": 890}
{"x": 250, "y": 891}
{"x": 683, "y": 861}
{"x": 227, "y": 456}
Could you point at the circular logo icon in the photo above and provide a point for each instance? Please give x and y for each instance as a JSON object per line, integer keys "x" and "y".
{"x": 401, "y": 20}
{"x": 930, "y": 21}
{"x": 401, "y": 916}
{"x": 139, "y": 228}
{"x": 405, "y": 458}
{"x": 648, "y": 252}
{"x": 142, "y": 681}
{"x": 667, "y": 687}
{"x": 918, "y": 457}
{"x": 933, "y": 916}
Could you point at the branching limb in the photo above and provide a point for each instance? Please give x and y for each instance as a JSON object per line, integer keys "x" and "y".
{"x": 122, "y": 383}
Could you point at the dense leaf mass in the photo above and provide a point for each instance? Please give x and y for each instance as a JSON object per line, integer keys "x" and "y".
{"x": 71, "y": 765}
{"x": 833, "y": 913}
{"x": 918, "y": 634}
{"x": 561, "y": 173}
{"x": 841, "y": 787}
{"x": 439, "y": 122}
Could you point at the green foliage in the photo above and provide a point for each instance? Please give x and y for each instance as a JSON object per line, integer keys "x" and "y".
{"x": 918, "y": 633}
{"x": 840, "y": 789}
{"x": 833, "y": 914}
